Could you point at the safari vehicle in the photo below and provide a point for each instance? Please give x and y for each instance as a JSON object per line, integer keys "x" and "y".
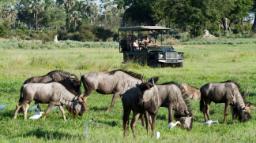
{"x": 141, "y": 44}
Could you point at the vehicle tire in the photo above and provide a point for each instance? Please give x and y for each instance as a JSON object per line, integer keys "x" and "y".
{"x": 179, "y": 64}
{"x": 153, "y": 63}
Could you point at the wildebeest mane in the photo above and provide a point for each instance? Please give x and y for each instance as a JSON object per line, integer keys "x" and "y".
{"x": 133, "y": 74}
{"x": 175, "y": 83}
{"x": 63, "y": 73}
{"x": 170, "y": 82}
{"x": 238, "y": 86}
{"x": 188, "y": 103}
{"x": 236, "y": 83}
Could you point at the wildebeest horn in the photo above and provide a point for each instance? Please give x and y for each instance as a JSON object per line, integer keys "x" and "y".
{"x": 153, "y": 79}
{"x": 81, "y": 99}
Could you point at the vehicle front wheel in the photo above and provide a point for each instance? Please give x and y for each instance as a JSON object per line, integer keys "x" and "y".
{"x": 179, "y": 64}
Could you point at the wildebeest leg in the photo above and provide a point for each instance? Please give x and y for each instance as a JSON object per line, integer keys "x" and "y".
{"x": 133, "y": 122}
{"x": 126, "y": 115}
{"x": 142, "y": 119}
{"x": 170, "y": 119}
{"x": 63, "y": 112}
{"x": 147, "y": 120}
{"x": 153, "y": 118}
{"x": 16, "y": 111}
{"x": 114, "y": 97}
{"x": 206, "y": 112}
{"x": 225, "y": 112}
{"x": 38, "y": 107}
{"x": 49, "y": 108}
{"x": 25, "y": 109}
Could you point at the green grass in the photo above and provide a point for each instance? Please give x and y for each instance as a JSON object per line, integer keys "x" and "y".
{"x": 203, "y": 63}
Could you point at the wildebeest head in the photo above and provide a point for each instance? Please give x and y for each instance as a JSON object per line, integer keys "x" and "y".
{"x": 184, "y": 113}
{"x": 75, "y": 83}
{"x": 185, "y": 118}
{"x": 243, "y": 114}
{"x": 78, "y": 106}
{"x": 186, "y": 122}
{"x": 145, "y": 86}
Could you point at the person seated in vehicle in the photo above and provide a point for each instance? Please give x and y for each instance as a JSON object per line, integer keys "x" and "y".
{"x": 124, "y": 44}
{"x": 147, "y": 41}
{"x": 135, "y": 44}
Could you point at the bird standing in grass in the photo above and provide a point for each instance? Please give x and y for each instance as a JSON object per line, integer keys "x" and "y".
{"x": 173, "y": 124}
{"x": 36, "y": 116}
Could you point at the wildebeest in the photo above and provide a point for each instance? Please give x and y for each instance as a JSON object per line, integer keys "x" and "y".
{"x": 115, "y": 82}
{"x": 70, "y": 81}
{"x": 130, "y": 102}
{"x": 227, "y": 92}
{"x": 190, "y": 91}
{"x": 53, "y": 94}
{"x": 146, "y": 99}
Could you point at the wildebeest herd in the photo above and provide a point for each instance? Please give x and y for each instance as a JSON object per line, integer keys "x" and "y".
{"x": 142, "y": 97}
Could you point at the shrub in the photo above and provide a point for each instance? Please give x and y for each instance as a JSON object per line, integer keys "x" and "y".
{"x": 3, "y": 30}
{"x": 102, "y": 34}
{"x": 85, "y": 33}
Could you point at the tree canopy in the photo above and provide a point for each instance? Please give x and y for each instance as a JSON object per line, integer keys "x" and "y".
{"x": 73, "y": 18}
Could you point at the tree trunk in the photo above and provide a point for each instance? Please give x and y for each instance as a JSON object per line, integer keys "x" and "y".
{"x": 254, "y": 24}
{"x": 36, "y": 20}
{"x": 225, "y": 25}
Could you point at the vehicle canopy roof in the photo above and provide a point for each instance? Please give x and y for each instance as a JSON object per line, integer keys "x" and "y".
{"x": 143, "y": 28}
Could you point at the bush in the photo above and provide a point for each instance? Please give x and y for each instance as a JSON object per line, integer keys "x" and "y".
{"x": 3, "y": 30}
{"x": 102, "y": 34}
{"x": 85, "y": 33}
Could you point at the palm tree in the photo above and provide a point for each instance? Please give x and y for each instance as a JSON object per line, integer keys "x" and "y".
{"x": 9, "y": 13}
{"x": 75, "y": 18}
{"x": 68, "y": 5}
{"x": 36, "y": 7}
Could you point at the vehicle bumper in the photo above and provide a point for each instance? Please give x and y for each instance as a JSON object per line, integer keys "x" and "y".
{"x": 173, "y": 61}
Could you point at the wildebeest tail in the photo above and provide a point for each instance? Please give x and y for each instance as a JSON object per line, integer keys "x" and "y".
{"x": 86, "y": 86}
{"x": 21, "y": 98}
{"x": 202, "y": 102}
{"x": 21, "y": 95}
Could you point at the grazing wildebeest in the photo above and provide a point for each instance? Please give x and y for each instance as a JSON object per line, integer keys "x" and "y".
{"x": 53, "y": 94}
{"x": 227, "y": 92}
{"x": 70, "y": 81}
{"x": 115, "y": 82}
{"x": 146, "y": 99}
{"x": 190, "y": 91}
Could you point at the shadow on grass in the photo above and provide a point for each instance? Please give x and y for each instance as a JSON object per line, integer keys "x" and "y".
{"x": 161, "y": 117}
{"x": 49, "y": 135}
{"x": 95, "y": 108}
{"x": 6, "y": 114}
{"x": 251, "y": 94}
{"x": 109, "y": 123}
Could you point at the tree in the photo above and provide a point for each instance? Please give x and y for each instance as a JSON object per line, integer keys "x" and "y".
{"x": 9, "y": 14}
{"x": 31, "y": 11}
{"x": 254, "y": 23}
{"x": 68, "y": 5}
{"x": 75, "y": 21}
{"x": 140, "y": 12}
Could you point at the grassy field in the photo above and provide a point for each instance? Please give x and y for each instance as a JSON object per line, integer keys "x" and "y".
{"x": 204, "y": 62}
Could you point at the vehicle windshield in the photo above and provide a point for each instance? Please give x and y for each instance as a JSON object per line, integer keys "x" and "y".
{"x": 138, "y": 40}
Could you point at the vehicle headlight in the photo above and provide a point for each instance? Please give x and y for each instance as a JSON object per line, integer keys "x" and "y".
{"x": 160, "y": 55}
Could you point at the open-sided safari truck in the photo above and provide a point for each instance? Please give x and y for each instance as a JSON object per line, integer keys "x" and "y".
{"x": 144, "y": 45}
